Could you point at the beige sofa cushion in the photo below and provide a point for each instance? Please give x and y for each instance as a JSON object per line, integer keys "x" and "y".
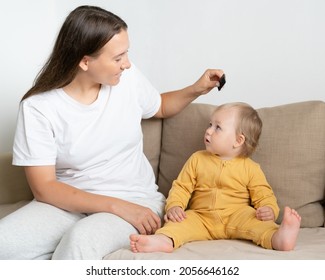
{"x": 151, "y": 129}
{"x": 310, "y": 246}
{"x": 291, "y": 152}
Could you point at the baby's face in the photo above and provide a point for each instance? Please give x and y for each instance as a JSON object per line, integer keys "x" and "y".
{"x": 220, "y": 136}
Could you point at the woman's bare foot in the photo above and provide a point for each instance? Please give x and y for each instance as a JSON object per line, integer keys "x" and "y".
{"x": 286, "y": 236}
{"x": 150, "y": 243}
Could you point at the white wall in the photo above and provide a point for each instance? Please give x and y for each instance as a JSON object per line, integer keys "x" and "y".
{"x": 273, "y": 52}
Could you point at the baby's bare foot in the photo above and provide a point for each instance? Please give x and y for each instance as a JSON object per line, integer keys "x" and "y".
{"x": 150, "y": 243}
{"x": 286, "y": 236}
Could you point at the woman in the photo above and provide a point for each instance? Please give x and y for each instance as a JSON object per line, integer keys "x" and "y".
{"x": 79, "y": 139}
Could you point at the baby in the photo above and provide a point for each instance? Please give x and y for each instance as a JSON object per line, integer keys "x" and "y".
{"x": 223, "y": 194}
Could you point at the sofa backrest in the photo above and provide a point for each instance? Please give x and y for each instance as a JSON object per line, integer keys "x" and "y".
{"x": 291, "y": 152}
{"x": 152, "y": 129}
{"x": 181, "y": 136}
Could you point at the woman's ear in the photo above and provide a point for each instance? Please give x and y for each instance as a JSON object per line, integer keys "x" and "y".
{"x": 240, "y": 140}
{"x": 83, "y": 64}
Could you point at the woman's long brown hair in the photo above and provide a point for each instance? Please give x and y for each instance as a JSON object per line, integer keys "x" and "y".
{"x": 84, "y": 32}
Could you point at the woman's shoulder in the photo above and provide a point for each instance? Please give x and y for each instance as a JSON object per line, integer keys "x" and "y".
{"x": 42, "y": 103}
{"x": 43, "y": 97}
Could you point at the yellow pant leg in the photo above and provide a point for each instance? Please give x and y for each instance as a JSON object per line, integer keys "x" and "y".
{"x": 243, "y": 224}
{"x": 191, "y": 229}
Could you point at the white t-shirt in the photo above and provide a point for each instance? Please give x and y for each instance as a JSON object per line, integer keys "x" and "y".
{"x": 97, "y": 148}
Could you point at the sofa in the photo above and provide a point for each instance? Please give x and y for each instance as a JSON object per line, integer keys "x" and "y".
{"x": 291, "y": 152}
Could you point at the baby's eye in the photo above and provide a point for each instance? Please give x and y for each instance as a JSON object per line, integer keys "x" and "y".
{"x": 218, "y": 127}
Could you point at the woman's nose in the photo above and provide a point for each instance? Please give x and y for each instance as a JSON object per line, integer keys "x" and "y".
{"x": 126, "y": 64}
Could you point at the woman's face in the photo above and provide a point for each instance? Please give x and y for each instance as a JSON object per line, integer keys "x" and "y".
{"x": 107, "y": 67}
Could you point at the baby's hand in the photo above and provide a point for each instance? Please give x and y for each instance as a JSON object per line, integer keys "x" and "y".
{"x": 175, "y": 214}
{"x": 265, "y": 213}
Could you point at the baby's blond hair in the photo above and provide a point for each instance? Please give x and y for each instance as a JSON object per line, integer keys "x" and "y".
{"x": 248, "y": 123}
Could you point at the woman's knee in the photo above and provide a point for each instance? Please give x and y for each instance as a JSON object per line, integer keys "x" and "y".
{"x": 93, "y": 237}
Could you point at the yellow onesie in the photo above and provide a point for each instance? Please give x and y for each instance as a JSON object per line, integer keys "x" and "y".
{"x": 220, "y": 198}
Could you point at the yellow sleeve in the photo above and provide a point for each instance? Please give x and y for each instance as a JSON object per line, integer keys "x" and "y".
{"x": 261, "y": 193}
{"x": 182, "y": 188}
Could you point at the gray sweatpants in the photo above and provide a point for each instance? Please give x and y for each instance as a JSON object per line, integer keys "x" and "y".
{"x": 42, "y": 231}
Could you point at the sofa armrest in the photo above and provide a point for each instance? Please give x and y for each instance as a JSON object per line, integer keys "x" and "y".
{"x": 13, "y": 184}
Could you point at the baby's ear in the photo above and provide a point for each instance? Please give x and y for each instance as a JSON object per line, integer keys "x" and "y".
{"x": 240, "y": 140}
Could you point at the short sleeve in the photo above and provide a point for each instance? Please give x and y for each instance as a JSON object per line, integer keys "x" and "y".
{"x": 148, "y": 96}
{"x": 34, "y": 142}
